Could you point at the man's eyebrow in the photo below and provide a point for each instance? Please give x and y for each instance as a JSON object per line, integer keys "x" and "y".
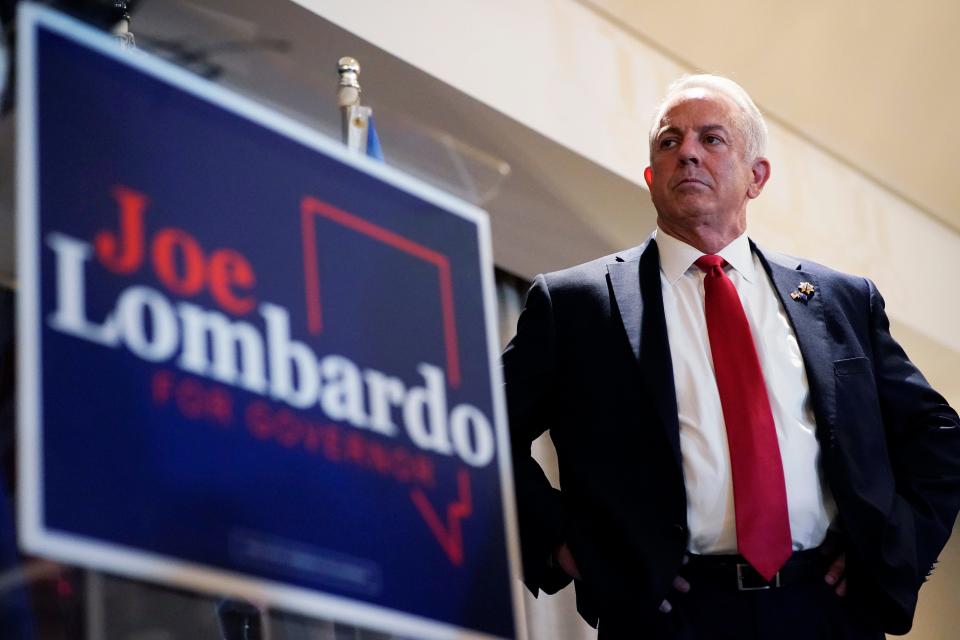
{"x": 667, "y": 129}
{"x": 700, "y": 129}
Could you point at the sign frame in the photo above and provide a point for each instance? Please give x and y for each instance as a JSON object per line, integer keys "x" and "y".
{"x": 35, "y": 537}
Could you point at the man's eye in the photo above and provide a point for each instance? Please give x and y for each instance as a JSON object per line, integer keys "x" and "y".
{"x": 668, "y": 143}
{"x": 712, "y": 139}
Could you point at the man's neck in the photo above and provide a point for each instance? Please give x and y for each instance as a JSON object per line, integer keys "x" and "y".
{"x": 705, "y": 238}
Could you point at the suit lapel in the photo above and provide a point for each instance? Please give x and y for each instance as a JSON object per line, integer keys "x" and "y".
{"x": 625, "y": 280}
{"x": 636, "y": 287}
{"x": 809, "y": 325}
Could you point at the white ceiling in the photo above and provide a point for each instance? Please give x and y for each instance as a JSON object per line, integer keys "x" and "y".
{"x": 874, "y": 82}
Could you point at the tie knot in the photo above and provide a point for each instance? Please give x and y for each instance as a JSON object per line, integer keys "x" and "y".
{"x": 710, "y": 262}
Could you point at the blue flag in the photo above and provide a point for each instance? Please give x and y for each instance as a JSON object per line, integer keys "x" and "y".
{"x": 374, "y": 150}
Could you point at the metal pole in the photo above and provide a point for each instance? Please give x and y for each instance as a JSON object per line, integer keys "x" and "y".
{"x": 355, "y": 118}
{"x": 122, "y": 28}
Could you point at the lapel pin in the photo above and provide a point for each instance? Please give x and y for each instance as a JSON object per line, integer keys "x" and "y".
{"x": 803, "y": 293}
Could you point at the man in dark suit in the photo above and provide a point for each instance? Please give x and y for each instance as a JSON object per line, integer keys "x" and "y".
{"x": 744, "y": 450}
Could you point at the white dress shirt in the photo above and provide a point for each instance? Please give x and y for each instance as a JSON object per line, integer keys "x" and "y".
{"x": 703, "y": 436}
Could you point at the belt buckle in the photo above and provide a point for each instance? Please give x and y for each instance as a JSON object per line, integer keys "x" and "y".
{"x": 740, "y": 565}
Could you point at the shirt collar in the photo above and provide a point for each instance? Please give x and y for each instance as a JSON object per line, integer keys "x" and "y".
{"x": 676, "y": 256}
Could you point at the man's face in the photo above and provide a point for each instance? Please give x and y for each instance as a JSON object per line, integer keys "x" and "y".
{"x": 699, "y": 174}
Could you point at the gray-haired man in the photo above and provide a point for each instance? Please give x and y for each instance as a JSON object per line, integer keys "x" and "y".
{"x": 745, "y": 451}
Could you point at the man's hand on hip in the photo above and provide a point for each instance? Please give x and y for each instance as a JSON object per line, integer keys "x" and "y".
{"x": 564, "y": 559}
{"x": 832, "y": 549}
{"x": 679, "y": 585}
{"x": 835, "y": 575}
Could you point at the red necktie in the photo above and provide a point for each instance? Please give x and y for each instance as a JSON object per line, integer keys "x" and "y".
{"x": 759, "y": 490}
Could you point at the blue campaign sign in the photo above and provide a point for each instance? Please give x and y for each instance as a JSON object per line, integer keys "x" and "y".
{"x": 252, "y": 363}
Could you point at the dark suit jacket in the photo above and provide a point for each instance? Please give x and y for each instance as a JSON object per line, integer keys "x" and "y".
{"x": 591, "y": 364}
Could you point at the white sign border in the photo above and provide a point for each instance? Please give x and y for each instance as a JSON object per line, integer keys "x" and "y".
{"x": 34, "y": 537}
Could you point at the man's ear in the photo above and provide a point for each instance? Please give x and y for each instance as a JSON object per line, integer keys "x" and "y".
{"x": 648, "y": 177}
{"x": 761, "y": 173}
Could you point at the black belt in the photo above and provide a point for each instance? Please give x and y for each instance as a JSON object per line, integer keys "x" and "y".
{"x": 734, "y": 573}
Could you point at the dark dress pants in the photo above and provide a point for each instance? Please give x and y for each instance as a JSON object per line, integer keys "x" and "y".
{"x": 807, "y": 611}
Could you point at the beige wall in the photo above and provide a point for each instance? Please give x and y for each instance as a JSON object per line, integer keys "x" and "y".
{"x": 570, "y": 74}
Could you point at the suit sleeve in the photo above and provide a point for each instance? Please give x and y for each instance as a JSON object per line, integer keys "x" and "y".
{"x": 923, "y": 434}
{"x": 530, "y": 373}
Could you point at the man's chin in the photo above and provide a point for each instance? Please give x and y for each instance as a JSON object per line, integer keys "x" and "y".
{"x": 693, "y": 208}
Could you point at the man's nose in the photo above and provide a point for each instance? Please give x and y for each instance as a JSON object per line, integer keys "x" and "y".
{"x": 689, "y": 152}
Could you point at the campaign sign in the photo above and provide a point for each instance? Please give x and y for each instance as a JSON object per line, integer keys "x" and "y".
{"x": 252, "y": 363}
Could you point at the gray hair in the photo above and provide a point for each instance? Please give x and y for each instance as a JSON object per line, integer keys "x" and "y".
{"x": 750, "y": 122}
